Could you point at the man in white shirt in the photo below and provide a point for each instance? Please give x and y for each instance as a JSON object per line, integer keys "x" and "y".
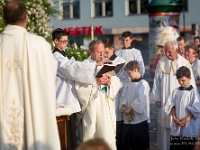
{"x": 129, "y": 53}
{"x": 27, "y": 85}
{"x": 164, "y": 83}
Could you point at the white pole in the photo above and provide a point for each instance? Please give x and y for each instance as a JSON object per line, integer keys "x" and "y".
{"x": 92, "y": 32}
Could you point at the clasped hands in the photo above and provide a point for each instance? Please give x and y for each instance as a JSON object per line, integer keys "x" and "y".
{"x": 182, "y": 122}
{"x": 128, "y": 111}
{"x": 104, "y": 80}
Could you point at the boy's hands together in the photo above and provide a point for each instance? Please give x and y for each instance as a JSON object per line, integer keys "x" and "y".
{"x": 186, "y": 120}
{"x": 183, "y": 122}
{"x": 128, "y": 111}
{"x": 176, "y": 120}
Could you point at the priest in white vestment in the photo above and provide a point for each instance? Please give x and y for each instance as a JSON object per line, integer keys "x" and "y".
{"x": 97, "y": 118}
{"x": 164, "y": 83}
{"x": 27, "y": 86}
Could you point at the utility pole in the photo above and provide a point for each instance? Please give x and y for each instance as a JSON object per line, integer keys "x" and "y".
{"x": 92, "y": 32}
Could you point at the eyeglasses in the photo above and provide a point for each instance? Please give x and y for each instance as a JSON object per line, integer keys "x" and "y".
{"x": 64, "y": 42}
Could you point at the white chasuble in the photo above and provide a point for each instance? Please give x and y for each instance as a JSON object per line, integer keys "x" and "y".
{"x": 165, "y": 82}
{"x": 98, "y": 111}
{"x": 27, "y": 92}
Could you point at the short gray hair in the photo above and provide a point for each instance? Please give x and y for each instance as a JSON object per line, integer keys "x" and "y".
{"x": 174, "y": 44}
{"x": 93, "y": 43}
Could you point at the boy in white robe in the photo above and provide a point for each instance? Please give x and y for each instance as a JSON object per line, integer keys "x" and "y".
{"x": 129, "y": 53}
{"x": 184, "y": 106}
{"x": 97, "y": 118}
{"x": 135, "y": 105}
{"x": 164, "y": 83}
{"x": 123, "y": 76}
{"x": 68, "y": 72}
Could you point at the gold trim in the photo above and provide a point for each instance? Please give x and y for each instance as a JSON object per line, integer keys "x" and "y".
{"x": 163, "y": 70}
{"x": 15, "y": 126}
{"x": 187, "y": 64}
{"x": 111, "y": 113}
{"x": 171, "y": 68}
{"x": 164, "y": 119}
{"x": 12, "y": 65}
{"x": 15, "y": 136}
{"x": 80, "y": 121}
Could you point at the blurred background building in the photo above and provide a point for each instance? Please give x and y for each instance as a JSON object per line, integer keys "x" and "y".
{"x": 110, "y": 18}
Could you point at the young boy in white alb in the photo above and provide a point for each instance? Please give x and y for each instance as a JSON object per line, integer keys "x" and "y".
{"x": 184, "y": 106}
{"x": 135, "y": 105}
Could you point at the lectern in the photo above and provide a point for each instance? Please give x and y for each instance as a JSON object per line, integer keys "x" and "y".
{"x": 62, "y": 129}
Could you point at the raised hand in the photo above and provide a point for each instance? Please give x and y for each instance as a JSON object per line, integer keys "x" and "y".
{"x": 102, "y": 62}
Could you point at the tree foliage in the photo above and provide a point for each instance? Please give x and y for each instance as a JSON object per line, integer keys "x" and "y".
{"x": 39, "y": 12}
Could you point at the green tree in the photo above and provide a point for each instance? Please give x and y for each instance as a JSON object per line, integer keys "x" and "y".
{"x": 39, "y": 12}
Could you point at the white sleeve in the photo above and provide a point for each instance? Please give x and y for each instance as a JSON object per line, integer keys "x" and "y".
{"x": 123, "y": 99}
{"x": 141, "y": 62}
{"x": 192, "y": 81}
{"x": 83, "y": 72}
{"x": 140, "y": 103}
{"x": 195, "y": 105}
{"x": 123, "y": 76}
{"x": 170, "y": 103}
{"x": 156, "y": 91}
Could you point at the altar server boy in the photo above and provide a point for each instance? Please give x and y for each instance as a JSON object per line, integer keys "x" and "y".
{"x": 184, "y": 106}
{"x": 135, "y": 105}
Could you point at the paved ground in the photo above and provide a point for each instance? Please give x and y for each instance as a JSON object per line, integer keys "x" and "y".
{"x": 153, "y": 113}
{"x": 153, "y": 125}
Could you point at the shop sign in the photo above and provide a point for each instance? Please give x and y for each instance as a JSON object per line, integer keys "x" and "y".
{"x": 84, "y": 30}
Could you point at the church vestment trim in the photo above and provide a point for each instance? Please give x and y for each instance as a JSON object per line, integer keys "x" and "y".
{"x": 169, "y": 65}
{"x": 79, "y": 122}
{"x": 12, "y": 65}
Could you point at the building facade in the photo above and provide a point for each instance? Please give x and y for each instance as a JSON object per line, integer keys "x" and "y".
{"x": 109, "y": 18}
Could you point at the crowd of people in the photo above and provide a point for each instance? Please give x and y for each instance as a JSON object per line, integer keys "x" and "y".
{"x": 106, "y": 113}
